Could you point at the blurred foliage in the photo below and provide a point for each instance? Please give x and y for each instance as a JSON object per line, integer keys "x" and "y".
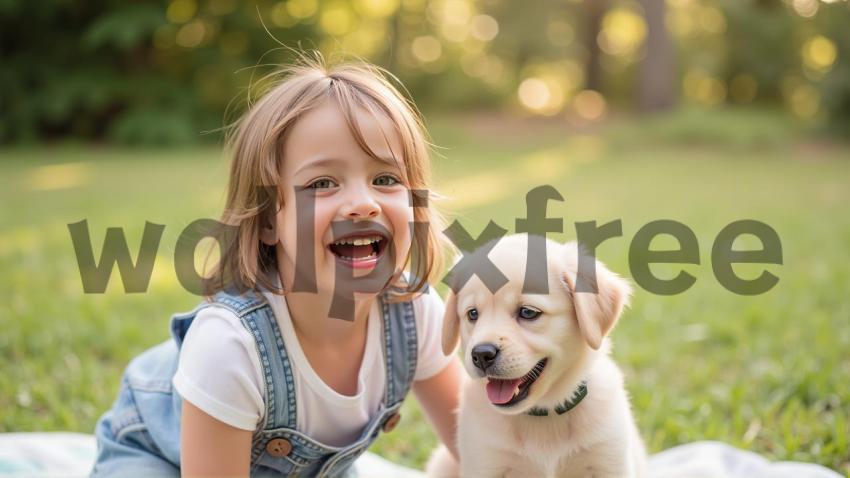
{"x": 164, "y": 72}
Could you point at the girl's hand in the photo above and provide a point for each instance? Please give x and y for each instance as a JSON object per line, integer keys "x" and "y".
{"x": 209, "y": 447}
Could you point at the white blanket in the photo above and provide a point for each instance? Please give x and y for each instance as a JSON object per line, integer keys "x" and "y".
{"x": 72, "y": 454}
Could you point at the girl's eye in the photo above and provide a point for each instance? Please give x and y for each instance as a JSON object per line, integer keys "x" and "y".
{"x": 323, "y": 183}
{"x": 529, "y": 313}
{"x": 472, "y": 314}
{"x": 385, "y": 180}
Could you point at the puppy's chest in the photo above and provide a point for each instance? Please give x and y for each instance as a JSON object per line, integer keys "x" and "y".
{"x": 559, "y": 463}
{"x": 553, "y": 449}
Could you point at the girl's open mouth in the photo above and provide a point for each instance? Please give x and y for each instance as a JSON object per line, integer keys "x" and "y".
{"x": 508, "y": 392}
{"x": 360, "y": 251}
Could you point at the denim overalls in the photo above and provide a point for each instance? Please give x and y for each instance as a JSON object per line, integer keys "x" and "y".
{"x": 140, "y": 435}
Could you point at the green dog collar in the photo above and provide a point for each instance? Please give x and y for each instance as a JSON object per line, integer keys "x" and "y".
{"x": 566, "y": 405}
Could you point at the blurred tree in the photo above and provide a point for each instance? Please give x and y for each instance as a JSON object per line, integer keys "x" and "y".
{"x": 593, "y": 12}
{"x": 656, "y": 84}
{"x": 159, "y": 72}
{"x": 832, "y": 62}
{"x": 165, "y": 71}
{"x": 760, "y": 40}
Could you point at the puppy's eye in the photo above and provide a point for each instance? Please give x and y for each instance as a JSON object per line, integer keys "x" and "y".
{"x": 472, "y": 314}
{"x": 529, "y": 313}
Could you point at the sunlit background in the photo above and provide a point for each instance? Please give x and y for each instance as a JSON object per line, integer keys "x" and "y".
{"x": 161, "y": 72}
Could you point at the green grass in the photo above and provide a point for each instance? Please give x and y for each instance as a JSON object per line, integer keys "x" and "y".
{"x": 770, "y": 373}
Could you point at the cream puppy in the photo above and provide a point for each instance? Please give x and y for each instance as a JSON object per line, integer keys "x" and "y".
{"x": 544, "y": 398}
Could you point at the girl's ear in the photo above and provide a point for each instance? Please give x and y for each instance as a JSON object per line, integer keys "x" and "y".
{"x": 268, "y": 234}
{"x": 267, "y": 215}
{"x": 596, "y": 313}
{"x": 450, "y": 325}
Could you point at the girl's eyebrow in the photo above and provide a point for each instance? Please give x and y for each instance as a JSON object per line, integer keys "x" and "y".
{"x": 391, "y": 162}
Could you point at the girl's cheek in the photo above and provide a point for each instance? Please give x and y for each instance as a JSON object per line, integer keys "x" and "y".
{"x": 322, "y": 218}
{"x": 403, "y": 243}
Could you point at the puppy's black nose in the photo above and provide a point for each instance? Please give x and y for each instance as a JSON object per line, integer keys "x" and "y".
{"x": 484, "y": 355}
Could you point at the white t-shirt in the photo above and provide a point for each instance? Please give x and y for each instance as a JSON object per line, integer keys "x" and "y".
{"x": 219, "y": 371}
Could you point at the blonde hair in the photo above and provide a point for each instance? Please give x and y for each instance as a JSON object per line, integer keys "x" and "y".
{"x": 256, "y": 141}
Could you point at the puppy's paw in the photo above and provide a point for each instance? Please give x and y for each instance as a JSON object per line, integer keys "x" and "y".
{"x": 442, "y": 464}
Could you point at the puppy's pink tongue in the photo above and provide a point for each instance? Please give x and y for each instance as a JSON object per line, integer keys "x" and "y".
{"x": 501, "y": 391}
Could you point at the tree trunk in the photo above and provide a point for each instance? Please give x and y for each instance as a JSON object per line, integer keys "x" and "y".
{"x": 593, "y": 11}
{"x": 657, "y": 80}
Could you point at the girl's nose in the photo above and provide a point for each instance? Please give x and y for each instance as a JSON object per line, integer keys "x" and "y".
{"x": 361, "y": 205}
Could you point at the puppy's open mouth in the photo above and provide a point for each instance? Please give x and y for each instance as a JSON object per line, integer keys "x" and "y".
{"x": 359, "y": 251}
{"x": 508, "y": 392}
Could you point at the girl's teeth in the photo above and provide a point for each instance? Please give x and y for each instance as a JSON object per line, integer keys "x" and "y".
{"x": 357, "y": 241}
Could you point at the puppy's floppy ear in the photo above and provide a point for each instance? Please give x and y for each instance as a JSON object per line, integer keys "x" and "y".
{"x": 596, "y": 313}
{"x": 451, "y": 324}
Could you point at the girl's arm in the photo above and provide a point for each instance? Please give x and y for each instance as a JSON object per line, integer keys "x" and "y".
{"x": 209, "y": 447}
{"x": 439, "y": 396}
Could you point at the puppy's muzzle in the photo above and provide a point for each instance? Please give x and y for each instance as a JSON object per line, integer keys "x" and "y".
{"x": 484, "y": 356}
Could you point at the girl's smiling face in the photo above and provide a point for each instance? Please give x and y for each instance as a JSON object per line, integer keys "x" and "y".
{"x": 361, "y": 208}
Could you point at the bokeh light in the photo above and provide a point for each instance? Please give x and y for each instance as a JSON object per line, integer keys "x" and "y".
{"x": 623, "y": 32}
{"x": 711, "y": 20}
{"x": 589, "y": 105}
{"x": 452, "y": 17}
{"x": 805, "y": 8}
{"x": 484, "y": 27}
{"x": 805, "y": 101}
{"x": 336, "y": 19}
{"x": 488, "y": 68}
{"x": 426, "y": 48}
{"x": 181, "y": 11}
{"x": 301, "y": 9}
{"x": 191, "y": 34}
{"x": 802, "y": 98}
{"x": 377, "y": 8}
{"x": 280, "y": 16}
{"x": 367, "y": 39}
{"x": 534, "y": 94}
{"x": 681, "y": 22}
{"x": 819, "y": 54}
{"x": 702, "y": 88}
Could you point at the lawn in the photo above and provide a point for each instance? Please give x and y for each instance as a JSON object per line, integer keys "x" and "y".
{"x": 770, "y": 373}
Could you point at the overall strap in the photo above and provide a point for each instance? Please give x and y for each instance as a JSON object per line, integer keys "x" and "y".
{"x": 238, "y": 304}
{"x": 277, "y": 369}
{"x": 400, "y": 348}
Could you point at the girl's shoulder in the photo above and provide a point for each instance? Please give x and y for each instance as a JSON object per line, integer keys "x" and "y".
{"x": 229, "y": 306}
{"x": 218, "y": 323}
{"x": 239, "y": 302}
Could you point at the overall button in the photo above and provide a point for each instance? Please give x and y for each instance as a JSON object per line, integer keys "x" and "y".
{"x": 279, "y": 447}
{"x": 391, "y": 422}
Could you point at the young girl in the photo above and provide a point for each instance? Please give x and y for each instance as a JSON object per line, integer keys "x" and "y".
{"x": 312, "y": 335}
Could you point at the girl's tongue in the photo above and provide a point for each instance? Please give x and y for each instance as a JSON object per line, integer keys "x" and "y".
{"x": 501, "y": 391}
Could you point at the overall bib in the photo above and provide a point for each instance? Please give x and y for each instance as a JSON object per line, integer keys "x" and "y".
{"x": 140, "y": 435}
